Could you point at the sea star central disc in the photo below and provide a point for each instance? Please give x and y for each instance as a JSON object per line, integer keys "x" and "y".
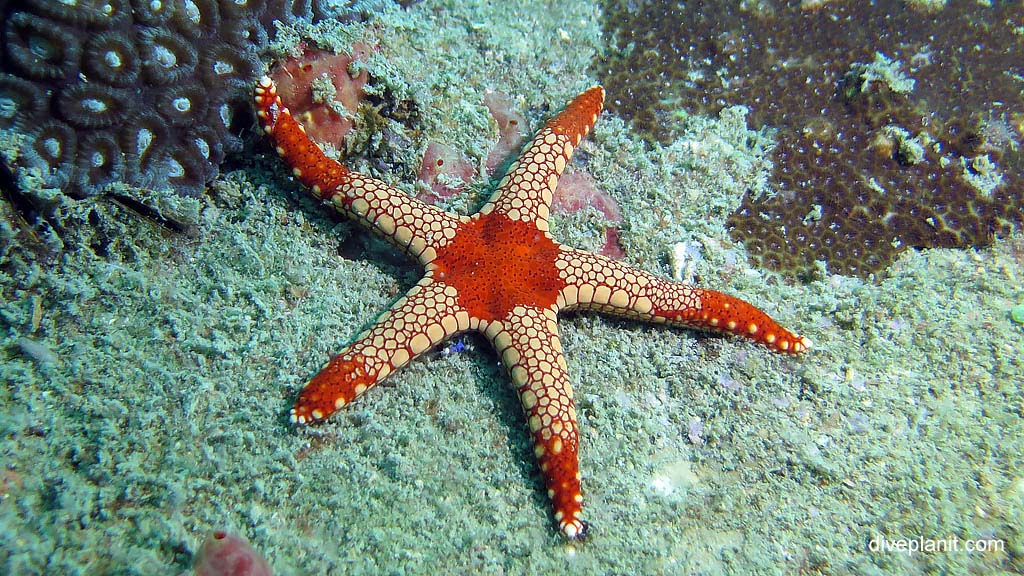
{"x": 497, "y": 263}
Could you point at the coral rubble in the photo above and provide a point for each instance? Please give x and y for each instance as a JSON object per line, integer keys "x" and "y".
{"x": 898, "y": 125}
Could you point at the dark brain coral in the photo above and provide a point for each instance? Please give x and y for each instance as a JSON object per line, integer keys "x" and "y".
{"x": 140, "y": 91}
{"x": 897, "y": 126}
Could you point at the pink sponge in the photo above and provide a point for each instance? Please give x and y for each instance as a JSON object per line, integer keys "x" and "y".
{"x": 225, "y": 554}
{"x": 513, "y": 128}
{"x": 444, "y": 170}
{"x": 576, "y": 190}
{"x": 321, "y": 91}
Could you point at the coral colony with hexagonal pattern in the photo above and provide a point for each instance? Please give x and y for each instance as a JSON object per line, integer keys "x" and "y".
{"x": 139, "y": 91}
{"x": 899, "y": 123}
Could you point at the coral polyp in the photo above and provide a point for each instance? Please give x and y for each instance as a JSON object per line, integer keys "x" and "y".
{"x": 53, "y": 147}
{"x": 152, "y": 12}
{"x": 19, "y": 98}
{"x": 224, "y": 66}
{"x": 196, "y": 18}
{"x": 101, "y": 161}
{"x": 184, "y": 104}
{"x": 111, "y": 58}
{"x": 92, "y": 105}
{"x": 39, "y": 49}
{"x": 167, "y": 56}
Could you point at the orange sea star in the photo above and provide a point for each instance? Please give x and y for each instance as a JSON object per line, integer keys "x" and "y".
{"x": 500, "y": 273}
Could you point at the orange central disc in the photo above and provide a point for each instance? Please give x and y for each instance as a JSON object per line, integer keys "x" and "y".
{"x": 497, "y": 264}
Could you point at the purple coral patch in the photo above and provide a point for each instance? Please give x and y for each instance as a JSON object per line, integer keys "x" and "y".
{"x": 132, "y": 90}
{"x": 225, "y": 554}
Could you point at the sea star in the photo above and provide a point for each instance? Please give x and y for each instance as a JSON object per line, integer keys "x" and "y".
{"x": 500, "y": 273}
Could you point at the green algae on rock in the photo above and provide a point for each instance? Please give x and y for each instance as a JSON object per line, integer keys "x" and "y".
{"x": 1017, "y": 313}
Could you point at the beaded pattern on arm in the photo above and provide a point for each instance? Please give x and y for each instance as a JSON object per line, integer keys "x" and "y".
{"x": 596, "y": 282}
{"x": 527, "y": 341}
{"x": 525, "y": 192}
{"x": 425, "y": 316}
{"x": 418, "y": 228}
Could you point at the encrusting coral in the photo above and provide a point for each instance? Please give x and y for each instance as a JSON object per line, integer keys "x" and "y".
{"x": 897, "y": 126}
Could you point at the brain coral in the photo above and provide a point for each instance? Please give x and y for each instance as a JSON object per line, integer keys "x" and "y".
{"x": 898, "y": 123}
{"x": 140, "y": 91}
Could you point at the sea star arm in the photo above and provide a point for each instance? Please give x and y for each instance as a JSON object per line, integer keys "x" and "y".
{"x": 596, "y": 282}
{"x": 527, "y": 341}
{"x": 525, "y": 192}
{"x": 411, "y": 225}
{"x": 425, "y": 316}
